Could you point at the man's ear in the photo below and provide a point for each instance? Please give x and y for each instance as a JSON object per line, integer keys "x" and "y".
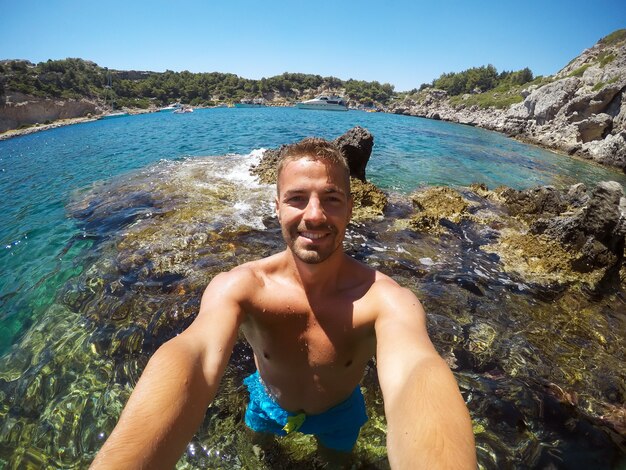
{"x": 276, "y": 204}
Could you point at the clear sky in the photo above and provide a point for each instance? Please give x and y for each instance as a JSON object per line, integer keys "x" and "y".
{"x": 402, "y": 42}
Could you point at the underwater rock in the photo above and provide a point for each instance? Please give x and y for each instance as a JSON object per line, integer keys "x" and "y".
{"x": 437, "y": 203}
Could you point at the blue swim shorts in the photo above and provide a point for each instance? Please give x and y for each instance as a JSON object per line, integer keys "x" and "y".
{"x": 337, "y": 428}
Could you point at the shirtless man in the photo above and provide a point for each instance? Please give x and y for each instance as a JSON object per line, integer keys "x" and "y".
{"x": 314, "y": 317}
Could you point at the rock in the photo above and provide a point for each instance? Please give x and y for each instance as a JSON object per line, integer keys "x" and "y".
{"x": 356, "y": 145}
{"x": 602, "y": 215}
{"x": 571, "y": 236}
{"x": 609, "y": 151}
{"x": 544, "y": 200}
{"x": 266, "y": 168}
{"x": 577, "y": 195}
{"x": 369, "y": 200}
{"x": 594, "y": 234}
{"x": 543, "y": 104}
{"x": 434, "y": 204}
{"x": 595, "y": 127}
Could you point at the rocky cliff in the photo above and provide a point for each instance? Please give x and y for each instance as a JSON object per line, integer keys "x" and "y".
{"x": 17, "y": 109}
{"x": 580, "y": 111}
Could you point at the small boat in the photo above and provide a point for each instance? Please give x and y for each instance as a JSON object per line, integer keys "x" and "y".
{"x": 325, "y": 102}
{"x": 183, "y": 110}
{"x": 113, "y": 115}
{"x": 169, "y": 108}
{"x": 248, "y": 103}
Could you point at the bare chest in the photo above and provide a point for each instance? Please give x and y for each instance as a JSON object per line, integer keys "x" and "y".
{"x": 332, "y": 334}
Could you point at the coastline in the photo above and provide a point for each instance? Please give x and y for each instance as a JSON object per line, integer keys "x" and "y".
{"x": 44, "y": 127}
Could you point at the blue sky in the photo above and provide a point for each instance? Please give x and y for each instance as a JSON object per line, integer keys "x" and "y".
{"x": 404, "y": 43}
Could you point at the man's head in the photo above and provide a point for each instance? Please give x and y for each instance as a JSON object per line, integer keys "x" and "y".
{"x": 316, "y": 149}
{"x": 313, "y": 201}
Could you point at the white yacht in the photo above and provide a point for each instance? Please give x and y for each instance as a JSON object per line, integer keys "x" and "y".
{"x": 327, "y": 102}
{"x": 171, "y": 107}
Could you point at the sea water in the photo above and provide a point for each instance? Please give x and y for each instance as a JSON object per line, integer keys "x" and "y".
{"x": 39, "y": 172}
{"x": 45, "y": 176}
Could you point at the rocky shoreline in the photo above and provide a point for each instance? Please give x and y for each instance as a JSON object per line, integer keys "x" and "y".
{"x": 580, "y": 111}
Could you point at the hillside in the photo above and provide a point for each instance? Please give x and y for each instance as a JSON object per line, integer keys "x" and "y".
{"x": 48, "y": 91}
{"x": 580, "y": 111}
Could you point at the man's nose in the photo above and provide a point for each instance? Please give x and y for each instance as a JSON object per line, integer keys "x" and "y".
{"x": 314, "y": 212}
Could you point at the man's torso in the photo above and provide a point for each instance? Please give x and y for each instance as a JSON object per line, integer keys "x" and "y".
{"x": 310, "y": 351}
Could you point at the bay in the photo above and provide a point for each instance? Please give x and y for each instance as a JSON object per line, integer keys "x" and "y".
{"x": 44, "y": 249}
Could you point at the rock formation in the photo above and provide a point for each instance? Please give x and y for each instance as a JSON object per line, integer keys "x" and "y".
{"x": 580, "y": 111}
{"x": 17, "y": 109}
{"x": 573, "y": 236}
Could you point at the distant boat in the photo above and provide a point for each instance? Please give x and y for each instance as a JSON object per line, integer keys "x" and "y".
{"x": 248, "y": 103}
{"x": 113, "y": 115}
{"x": 183, "y": 110}
{"x": 324, "y": 102}
{"x": 169, "y": 108}
{"x": 108, "y": 91}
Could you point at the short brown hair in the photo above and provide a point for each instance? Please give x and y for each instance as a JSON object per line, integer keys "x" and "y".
{"x": 316, "y": 149}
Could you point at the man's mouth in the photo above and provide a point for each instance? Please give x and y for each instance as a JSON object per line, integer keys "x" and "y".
{"x": 313, "y": 235}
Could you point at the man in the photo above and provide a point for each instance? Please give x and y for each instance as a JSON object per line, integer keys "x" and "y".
{"x": 314, "y": 317}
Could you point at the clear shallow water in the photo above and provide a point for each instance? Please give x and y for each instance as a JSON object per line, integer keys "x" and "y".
{"x": 40, "y": 173}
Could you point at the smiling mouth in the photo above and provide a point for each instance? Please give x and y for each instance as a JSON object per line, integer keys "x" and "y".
{"x": 313, "y": 235}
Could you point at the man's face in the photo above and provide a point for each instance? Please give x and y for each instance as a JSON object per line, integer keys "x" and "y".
{"x": 314, "y": 208}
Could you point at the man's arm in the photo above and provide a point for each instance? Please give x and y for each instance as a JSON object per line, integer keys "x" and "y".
{"x": 428, "y": 424}
{"x": 170, "y": 399}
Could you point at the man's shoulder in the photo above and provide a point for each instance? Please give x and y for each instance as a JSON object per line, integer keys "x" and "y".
{"x": 378, "y": 280}
{"x": 384, "y": 290}
{"x": 246, "y": 278}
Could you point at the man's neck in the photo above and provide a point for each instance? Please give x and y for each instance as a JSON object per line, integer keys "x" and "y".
{"x": 317, "y": 278}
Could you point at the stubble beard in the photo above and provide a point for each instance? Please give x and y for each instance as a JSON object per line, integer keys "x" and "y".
{"x": 314, "y": 254}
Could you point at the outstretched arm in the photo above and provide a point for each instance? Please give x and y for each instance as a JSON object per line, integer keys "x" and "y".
{"x": 428, "y": 423}
{"x": 181, "y": 379}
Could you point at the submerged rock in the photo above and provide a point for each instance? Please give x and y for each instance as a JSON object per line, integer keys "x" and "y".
{"x": 435, "y": 204}
{"x": 544, "y": 234}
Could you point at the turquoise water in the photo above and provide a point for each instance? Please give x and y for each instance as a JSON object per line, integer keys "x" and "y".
{"x": 111, "y": 229}
{"x": 39, "y": 172}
